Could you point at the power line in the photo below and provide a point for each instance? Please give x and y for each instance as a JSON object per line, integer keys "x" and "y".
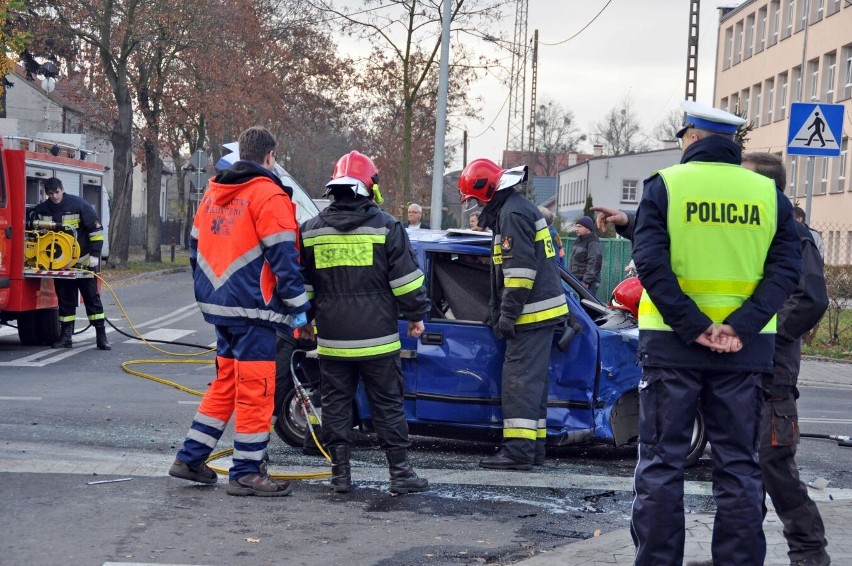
{"x": 581, "y": 29}
{"x": 488, "y": 127}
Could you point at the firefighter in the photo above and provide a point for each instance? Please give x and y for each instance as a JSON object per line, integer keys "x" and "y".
{"x": 245, "y": 263}
{"x": 78, "y": 216}
{"x": 362, "y": 273}
{"x": 527, "y": 303}
{"x": 717, "y": 253}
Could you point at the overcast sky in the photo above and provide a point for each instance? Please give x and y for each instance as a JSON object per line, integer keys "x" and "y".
{"x": 635, "y": 47}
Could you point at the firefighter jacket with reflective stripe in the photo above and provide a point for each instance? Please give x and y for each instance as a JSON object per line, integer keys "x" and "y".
{"x": 713, "y": 242}
{"x": 525, "y": 284}
{"x": 77, "y": 215}
{"x": 244, "y": 251}
{"x": 361, "y": 274}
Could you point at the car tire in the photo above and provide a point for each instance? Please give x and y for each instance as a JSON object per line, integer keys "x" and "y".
{"x": 699, "y": 440}
{"x": 39, "y": 327}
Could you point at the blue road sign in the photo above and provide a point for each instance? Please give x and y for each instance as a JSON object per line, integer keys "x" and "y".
{"x": 815, "y": 129}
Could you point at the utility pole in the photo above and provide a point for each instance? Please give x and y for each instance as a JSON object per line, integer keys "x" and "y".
{"x": 692, "y": 50}
{"x": 437, "y": 200}
{"x": 533, "y": 90}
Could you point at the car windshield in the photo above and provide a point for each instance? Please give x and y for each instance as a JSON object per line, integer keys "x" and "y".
{"x": 305, "y": 207}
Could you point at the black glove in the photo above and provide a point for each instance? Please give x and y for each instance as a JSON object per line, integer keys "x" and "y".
{"x": 506, "y": 326}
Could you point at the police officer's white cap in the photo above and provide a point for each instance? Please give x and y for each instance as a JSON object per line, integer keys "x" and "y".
{"x": 709, "y": 119}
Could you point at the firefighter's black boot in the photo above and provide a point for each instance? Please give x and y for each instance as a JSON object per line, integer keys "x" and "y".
{"x": 402, "y": 476}
{"x": 341, "y": 473}
{"x": 100, "y": 333}
{"x": 66, "y": 333}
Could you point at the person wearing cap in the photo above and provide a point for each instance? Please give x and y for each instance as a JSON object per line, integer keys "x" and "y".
{"x": 586, "y": 255}
{"x": 717, "y": 253}
{"x": 245, "y": 267}
{"x": 527, "y": 304}
{"x": 362, "y": 275}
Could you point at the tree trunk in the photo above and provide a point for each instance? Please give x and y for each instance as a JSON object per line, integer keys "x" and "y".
{"x": 154, "y": 165}
{"x": 122, "y": 190}
{"x": 406, "y": 153}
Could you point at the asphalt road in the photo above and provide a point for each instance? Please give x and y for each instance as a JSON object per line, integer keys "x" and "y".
{"x": 72, "y": 417}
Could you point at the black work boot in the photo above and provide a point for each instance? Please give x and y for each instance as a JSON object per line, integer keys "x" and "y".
{"x": 502, "y": 461}
{"x": 66, "y": 333}
{"x": 402, "y": 476}
{"x": 341, "y": 472}
{"x": 100, "y": 333}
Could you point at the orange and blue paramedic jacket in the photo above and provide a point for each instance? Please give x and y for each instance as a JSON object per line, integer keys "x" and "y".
{"x": 244, "y": 249}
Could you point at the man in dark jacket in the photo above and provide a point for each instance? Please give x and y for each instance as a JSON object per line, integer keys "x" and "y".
{"x": 717, "y": 253}
{"x": 527, "y": 303}
{"x": 361, "y": 273}
{"x": 75, "y": 213}
{"x": 803, "y": 526}
{"x": 586, "y": 255}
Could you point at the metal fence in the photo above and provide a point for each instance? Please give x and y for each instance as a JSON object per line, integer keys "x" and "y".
{"x": 837, "y": 242}
{"x": 168, "y": 229}
{"x": 616, "y": 256}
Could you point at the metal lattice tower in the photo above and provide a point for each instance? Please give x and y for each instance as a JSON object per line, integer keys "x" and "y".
{"x": 692, "y": 50}
{"x": 517, "y": 80}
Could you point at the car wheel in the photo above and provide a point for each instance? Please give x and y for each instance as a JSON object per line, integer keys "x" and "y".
{"x": 291, "y": 423}
{"x": 699, "y": 440}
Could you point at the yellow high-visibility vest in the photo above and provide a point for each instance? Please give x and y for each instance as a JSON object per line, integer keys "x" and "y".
{"x": 721, "y": 221}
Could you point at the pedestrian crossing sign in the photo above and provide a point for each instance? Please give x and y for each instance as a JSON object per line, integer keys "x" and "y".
{"x": 815, "y": 129}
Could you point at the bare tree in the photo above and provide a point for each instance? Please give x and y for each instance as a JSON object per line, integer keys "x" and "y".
{"x": 667, "y": 128}
{"x": 619, "y": 131}
{"x": 557, "y": 134}
{"x": 409, "y": 31}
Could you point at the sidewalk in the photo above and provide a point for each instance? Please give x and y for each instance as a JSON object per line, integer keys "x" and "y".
{"x": 616, "y": 547}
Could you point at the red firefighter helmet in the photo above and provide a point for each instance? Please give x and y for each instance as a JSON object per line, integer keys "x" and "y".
{"x": 357, "y": 171}
{"x": 482, "y": 178}
{"x": 626, "y": 296}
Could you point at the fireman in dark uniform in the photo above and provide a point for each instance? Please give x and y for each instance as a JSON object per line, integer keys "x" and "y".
{"x": 77, "y": 215}
{"x": 527, "y": 303}
{"x": 717, "y": 253}
{"x": 361, "y": 273}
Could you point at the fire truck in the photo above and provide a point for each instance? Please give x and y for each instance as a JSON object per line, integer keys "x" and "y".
{"x": 34, "y": 253}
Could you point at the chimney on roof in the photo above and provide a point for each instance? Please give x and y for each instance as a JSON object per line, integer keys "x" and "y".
{"x": 670, "y": 144}
{"x": 572, "y": 159}
{"x": 597, "y": 150}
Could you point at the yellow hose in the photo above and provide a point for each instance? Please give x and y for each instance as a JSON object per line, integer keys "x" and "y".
{"x": 126, "y": 366}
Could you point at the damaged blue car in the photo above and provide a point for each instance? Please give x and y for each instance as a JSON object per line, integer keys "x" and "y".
{"x": 452, "y": 372}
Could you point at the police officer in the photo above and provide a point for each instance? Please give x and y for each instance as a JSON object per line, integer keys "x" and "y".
{"x": 527, "y": 302}
{"x": 74, "y": 213}
{"x": 717, "y": 254}
{"x": 361, "y": 273}
{"x": 803, "y": 526}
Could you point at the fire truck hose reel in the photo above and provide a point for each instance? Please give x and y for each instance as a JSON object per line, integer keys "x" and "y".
{"x": 56, "y": 250}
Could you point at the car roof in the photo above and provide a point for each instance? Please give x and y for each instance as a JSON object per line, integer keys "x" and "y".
{"x": 448, "y": 238}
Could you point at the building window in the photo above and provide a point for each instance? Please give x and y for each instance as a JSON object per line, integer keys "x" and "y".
{"x": 847, "y": 72}
{"x": 830, "y": 66}
{"x": 823, "y": 181}
{"x": 819, "y": 10}
{"x": 775, "y": 11}
{"x": 629, "y": 189}
{"x": 761, "y": 30}
{"x": 793, "y": 175}
{"x": 813, "y": 83}
{"x": 833, "y": 6}
{"x": 729, "y": 47}
{"x": 782, "y": 97}
{"x": 744, "y": 107}
{"x": 749, "y": 36}
{"x": 770, "y": 100}
{"x": 738, "y": 42}
{"x": 788, "y": 18}
{"x": 758, "y": 91}
{"x": 803, "y": 15}
{"x": 841, "y": 166}
{"x": 735, "y": 103}
{"x": 797, "y": 82}
{"x": 723, "y": 104}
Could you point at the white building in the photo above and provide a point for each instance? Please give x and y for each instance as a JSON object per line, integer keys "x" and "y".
{"x": 612, "y": 181}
